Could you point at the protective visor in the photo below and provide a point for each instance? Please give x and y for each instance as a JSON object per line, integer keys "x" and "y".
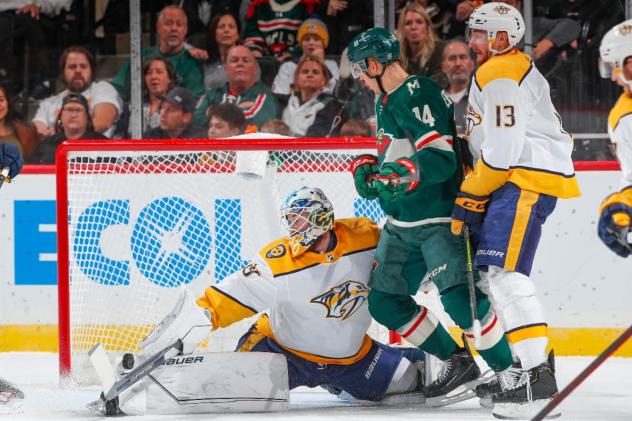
{"x": 606, "y": 69}
{"x": 358, "y": 69}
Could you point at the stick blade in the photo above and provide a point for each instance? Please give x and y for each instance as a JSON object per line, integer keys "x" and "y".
{"x": 103, "y": 367}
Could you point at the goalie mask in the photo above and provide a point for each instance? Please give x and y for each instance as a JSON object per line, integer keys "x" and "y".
{"x": 493, "y": 18}
{"x": 615, "y": 48}
{"x": 306, "y": 214}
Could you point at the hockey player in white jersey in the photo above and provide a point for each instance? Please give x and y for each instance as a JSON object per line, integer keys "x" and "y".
{"x": 522, "y": 166}
{"x": 312, "y": 289}
{"x": 616, "y": 209}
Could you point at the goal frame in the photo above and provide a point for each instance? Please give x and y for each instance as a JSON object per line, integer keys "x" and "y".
{"x": 166, "y": 145}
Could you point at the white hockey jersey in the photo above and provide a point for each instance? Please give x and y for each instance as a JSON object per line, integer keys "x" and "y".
{"x": 514, "y": 133}
{"x": 316, "y": 303}
{"x": 620, "y": 131}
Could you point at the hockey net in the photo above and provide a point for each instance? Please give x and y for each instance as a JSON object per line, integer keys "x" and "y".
{"x": 137, "y": 219}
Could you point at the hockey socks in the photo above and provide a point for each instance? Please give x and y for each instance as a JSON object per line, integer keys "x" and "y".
{"x": 424, "y": 331}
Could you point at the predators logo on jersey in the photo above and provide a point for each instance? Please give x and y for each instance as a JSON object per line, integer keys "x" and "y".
{"x": 472, "y": 119}
{"x": 342, "y": 301}
{"x": 278, "y": 251}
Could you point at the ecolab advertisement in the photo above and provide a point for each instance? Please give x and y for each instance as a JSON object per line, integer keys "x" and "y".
{"x": 166, "y": 229}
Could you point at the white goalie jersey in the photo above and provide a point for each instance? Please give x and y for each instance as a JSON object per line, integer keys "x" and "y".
{"x": 620, "y": 131}
{"x": 315, "y": 303}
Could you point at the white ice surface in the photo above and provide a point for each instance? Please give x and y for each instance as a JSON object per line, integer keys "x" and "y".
{"x": 605, "y": 396}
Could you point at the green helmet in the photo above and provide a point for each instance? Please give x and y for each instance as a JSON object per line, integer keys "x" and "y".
{"x": 375, "y": 42}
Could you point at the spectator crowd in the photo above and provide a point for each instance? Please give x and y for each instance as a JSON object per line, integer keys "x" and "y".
{"x": 219, "y": 68}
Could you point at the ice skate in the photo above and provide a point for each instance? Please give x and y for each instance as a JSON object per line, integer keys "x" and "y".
{"x": 456, "y": 381}
{"x": 11, "y": 398}
{"x": 525, "y": 392}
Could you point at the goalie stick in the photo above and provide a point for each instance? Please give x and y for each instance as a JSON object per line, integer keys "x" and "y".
{"x": 583, "y": 375}
{"x": 102, "y": 365}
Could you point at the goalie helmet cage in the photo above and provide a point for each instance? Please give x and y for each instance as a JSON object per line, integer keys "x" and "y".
{"x": 137, "y": 218}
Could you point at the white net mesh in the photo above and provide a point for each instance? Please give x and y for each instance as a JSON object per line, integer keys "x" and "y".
{"x": 142, "y": 223}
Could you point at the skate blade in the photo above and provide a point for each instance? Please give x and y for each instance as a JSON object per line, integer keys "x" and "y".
{"x": 97, "y": 407}
{"x": 486, "y": 402}
{"x": 526, "y": 411}
{"x": 462, "y": 393}
{"x": 416, "y": 398}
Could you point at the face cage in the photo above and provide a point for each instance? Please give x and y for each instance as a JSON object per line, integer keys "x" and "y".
{"x": 308, "y": 230}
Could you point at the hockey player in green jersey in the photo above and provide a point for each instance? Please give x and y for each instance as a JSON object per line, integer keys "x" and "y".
{"x": 415, "y": 176}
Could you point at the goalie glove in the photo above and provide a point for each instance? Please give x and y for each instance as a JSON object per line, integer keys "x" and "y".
{"x": 614, "y": 222}
{"x": 364, "y": 169}
{"x": 396, "y": 179}
{"x": 11, "y": 157}
{"x": 469, "y": 210}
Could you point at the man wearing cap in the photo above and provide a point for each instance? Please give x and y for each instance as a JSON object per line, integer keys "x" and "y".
{"x": 313, "y": 38}
{"x": 73, "y": 122}
{"x": 243, "y": 89}
{"x": 172, "y": 29}
{"x": 176, "y": 115}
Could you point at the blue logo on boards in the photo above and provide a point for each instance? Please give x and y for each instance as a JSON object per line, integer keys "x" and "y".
{"x": 171, "y": 241}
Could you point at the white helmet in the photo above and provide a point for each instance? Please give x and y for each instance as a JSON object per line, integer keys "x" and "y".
{"x": 498, "y": 17}
{"x": 306, "y": 214}
{"x": 615, "y": 47}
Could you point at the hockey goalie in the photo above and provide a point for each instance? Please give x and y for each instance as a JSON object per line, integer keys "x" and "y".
{"x": 311, "y": 290}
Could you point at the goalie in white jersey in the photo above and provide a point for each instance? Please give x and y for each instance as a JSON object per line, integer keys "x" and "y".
{"x": 522, "y": 166}
{"x": 312, "y": 286}
{"x": 616, "y": 210}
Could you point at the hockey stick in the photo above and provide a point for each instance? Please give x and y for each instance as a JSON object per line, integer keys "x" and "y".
{"x": 476, "y": 324}
{"x": 4, "y": 176}
{"x": 583, "y": 375}
{"x": 136, "y": 374}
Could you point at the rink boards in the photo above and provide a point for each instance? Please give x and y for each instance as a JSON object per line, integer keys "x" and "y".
{"x": 582, "y": 284}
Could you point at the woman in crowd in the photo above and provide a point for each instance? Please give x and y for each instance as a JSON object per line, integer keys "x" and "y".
{"x": 13, "y": 129}
{"x": 223, "y": 33}
{"x": 159, "y": 77}
{"x": 421, "y": 50}
{"x": 313, "y": 39}
{"x": 311, "y": 112}
{"x": 74, "y": 122}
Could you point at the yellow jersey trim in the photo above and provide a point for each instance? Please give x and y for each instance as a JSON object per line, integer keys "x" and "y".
{"x": 262, "y": 326}
{"x": 353, "y": 235}
{"x": 225, "y": 309}
{"x": 621, "y": 108}
{"x": 513, "y": 65}
{"x": 486, "y": 179}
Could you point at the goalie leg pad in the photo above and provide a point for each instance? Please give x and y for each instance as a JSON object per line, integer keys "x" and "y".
{"x": 211, "y": 383}
{"x": 187, "y": 321}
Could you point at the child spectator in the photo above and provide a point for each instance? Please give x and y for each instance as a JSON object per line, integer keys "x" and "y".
{"x": 355, "y": 128}
{"x": 225, "y": 120}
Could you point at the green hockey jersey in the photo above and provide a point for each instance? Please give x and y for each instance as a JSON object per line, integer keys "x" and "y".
{"x": 272, "y": 25}
{"x": 416, "y": 121}
{"x": 258, "y": 104}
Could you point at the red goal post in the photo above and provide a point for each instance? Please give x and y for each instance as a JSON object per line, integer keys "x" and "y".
{"x": 137, "y": 218}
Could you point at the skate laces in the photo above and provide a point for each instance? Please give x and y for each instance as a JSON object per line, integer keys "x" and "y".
{"x": 511, "y": 378}
{"x": 445, "y": 371}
